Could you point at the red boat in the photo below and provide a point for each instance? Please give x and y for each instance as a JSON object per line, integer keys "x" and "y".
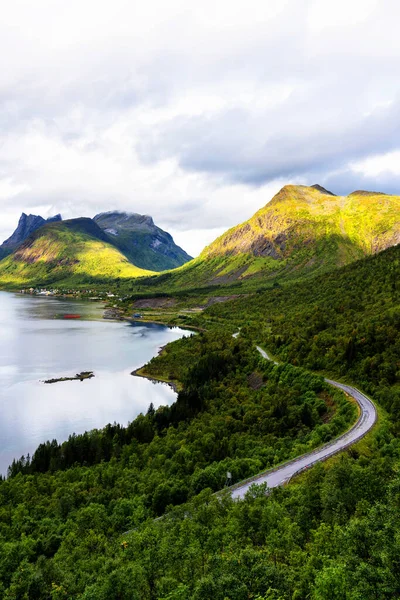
{"x": 72, "y": 316}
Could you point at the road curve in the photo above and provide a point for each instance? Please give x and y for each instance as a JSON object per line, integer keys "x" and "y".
{"x": 282, "y": 474}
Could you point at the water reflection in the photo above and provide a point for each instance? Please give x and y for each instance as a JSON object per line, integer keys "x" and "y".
{"x": 34, "y": 345}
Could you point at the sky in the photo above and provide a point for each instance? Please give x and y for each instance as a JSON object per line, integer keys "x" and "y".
{"x": 196, "y": 113}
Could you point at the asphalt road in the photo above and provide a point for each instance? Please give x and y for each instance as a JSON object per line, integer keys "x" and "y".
{"x": 285, "y": 472}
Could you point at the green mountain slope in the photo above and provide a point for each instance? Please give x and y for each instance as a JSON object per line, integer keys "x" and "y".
{"x": 346, "y": 322}
{"x": 301, "y": 231}
{"x": 145, "y": 244}
{"x": 69, "y": 253}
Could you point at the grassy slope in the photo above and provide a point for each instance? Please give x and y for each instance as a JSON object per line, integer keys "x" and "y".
{"x": 68, "y": 253}
{"x": 299, "y": 233}
{"x": 300, "y": 215}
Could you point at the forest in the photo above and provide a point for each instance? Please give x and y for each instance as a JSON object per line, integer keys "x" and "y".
{"x": 345, "y": 323}
{"x": 80, "y": 519}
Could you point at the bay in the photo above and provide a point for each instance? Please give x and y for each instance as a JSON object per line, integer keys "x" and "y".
{"x": 36, "y": 343}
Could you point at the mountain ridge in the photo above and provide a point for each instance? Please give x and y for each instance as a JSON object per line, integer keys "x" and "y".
{"x": 27, "y": 224}
{"x": 67, "y": 253}
{"x": 293, "y": 208}
{"x": 136, "y": 236}
{"x": 300, "y": 231}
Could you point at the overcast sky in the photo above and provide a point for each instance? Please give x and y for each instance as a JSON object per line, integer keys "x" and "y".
{"x": 193, "y": 112}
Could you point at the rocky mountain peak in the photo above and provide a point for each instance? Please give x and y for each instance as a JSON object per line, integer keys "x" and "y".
{"x": 56, "y": 217}
{"x": 145, "y": 244}
{"x": 115, "y": 219}
{"x": 27, "y": 224}
{"x": 321, "y": 189}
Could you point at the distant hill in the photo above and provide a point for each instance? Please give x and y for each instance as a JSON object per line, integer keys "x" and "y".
{"x": 301, "y": 231}
{"x": 145, "y": 244}
{"x": 140, "y": 248}
{"x": 66, "y": 253}
{"x": 136, "y": 236}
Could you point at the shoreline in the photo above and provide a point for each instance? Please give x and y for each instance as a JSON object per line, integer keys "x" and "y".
{"x": 157, "y": 338}
{"x": 164, "y": 323}
{"x": 137, "y": 373}
{"x": 171, "y": 384}
{"x": 116, "y": 315}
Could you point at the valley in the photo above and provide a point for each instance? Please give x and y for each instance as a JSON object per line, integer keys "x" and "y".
{"x": 313, "y": 278}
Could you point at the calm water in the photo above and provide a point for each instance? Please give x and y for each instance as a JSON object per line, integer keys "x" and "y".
{"x": 36, "y": 345}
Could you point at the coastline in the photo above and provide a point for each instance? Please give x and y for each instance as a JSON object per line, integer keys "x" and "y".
{"x": 172, "y": 384}
{"x": 165, "y": 323}
{"x": 114, "y": 314}
{"x": 139, "y": 373}
{"x": 135, "y": 354}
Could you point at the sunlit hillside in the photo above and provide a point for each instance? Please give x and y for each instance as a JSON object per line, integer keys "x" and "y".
{"x": 68, "y": 253}
{"x": 301, "y": 231}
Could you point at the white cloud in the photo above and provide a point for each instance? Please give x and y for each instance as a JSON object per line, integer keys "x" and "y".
{"x": 388, "y": 163}
{"x": 340, "y": 13}
{"x": 194, "y": 113}
{"x": 8, "y": 189}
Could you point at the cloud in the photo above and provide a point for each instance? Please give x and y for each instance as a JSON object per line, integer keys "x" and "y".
{"x": 378, "y": 173}
{"x": 194, "y": 113}
{"x": 260, "y": 146}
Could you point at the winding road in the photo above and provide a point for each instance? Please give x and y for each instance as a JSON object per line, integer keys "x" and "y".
{"x": 282, "y": 474}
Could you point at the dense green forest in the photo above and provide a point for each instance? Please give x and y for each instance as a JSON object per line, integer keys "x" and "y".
{"x": 333, "y": 535}
{"x": 77, "y": 520}
{"x": 68, "y": 505}
{"x": 346, "y": 323}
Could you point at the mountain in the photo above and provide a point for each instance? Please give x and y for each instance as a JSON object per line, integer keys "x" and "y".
{"x": 304, "y": 222}
{"x": 66, "y": 253}
{"x": 318, "y": 187}
{"x": 27, "y": 224}
{"x": 145, "y": 244}
{"x": 87, "y": 507}
{"x": 301, "y": 231}
{"x": 136, "y": 236}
